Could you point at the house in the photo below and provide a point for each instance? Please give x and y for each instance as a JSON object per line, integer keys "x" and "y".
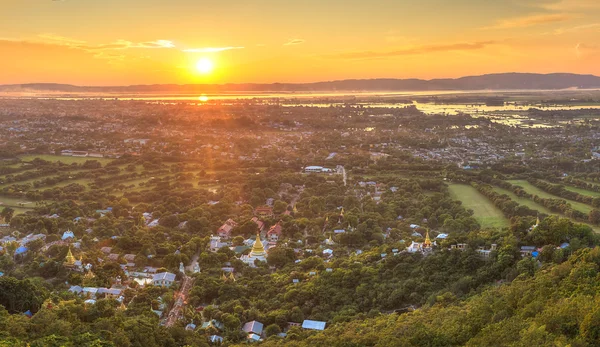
{"x": 163, "y": 279}
{"x": 527, "y": 250}
{"x": 264, "y": 211}
{"x": 110, "y": 292}
{"x": 68, "y": 235}
{"x": 253, "y": 337}
{"x": 274, "y": 233}
{"x": 89, "y": 292}
{"x": 225, "y": 230}
{"x": 76, "y": 289}
{"x": 215, "y": 244}
{"x": 129, "y": 257}
{"x": 106, "y": 250}
{"x": 213, "y": 323}
{"x": 313, "y": 169}
{"x": 459, "y": 246}
{"x": 313, "y": 324}
{"x": 253, "y": 327}
{"x": 215, "y": 339}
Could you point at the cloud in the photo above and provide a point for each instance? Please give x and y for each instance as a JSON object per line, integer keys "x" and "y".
{"x": 528, "y": 21}
{"x": 570, "y": 5}
{"x": 112, "y": 52}
{"x": 583, "y": 49}
{"x": 124, "y": 44}
{"x": 210, "y": 49}
{"x": 578, "y": 28}
{"x": 52, "y": 39}
{"x": 424, "y": 49}
{"x": 59, "y": 39}
{"x": 294, "y": 42}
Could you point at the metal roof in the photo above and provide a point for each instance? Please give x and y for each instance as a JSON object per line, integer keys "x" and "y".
{"x": 313, "y": 324}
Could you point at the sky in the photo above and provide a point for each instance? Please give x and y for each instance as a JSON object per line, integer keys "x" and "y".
{"x": 125, "y": 42}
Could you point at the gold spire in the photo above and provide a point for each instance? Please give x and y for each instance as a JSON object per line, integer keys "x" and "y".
{"x": 70, "y": 259}
{"x": 122, "y": 307}
{"x": 231, "y": 276}
{"x": 427, "y": 242}
{"x": 537, "y": 221}
{"x": 223, "y": 277}
{"x": 89, "y": 275}
{"x": 258, "y": 248}
{"x": 342, "y": 212}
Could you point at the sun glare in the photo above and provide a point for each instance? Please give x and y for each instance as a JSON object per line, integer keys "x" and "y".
{"x": 204, "y": 66}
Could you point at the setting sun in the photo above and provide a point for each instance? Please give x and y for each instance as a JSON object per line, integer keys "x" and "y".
{"x": 204, "y": 66}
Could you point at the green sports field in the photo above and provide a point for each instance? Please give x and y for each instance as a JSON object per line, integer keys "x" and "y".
{"x": 488, "y": 215}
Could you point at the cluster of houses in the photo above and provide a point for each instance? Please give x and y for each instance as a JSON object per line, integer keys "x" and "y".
{"x": 254, "y": 330}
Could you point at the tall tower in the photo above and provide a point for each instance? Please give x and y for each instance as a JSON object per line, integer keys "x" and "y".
{"x": 427, "y": 243}
{"x": 258, "y": 250}
{"x": 69, "y": 259}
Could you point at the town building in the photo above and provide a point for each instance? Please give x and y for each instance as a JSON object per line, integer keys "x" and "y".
{"x": 264, "y": 211}
{"x": 274, "y": 233}
{"x": 225, "y": 229}
{"x": 163, "y": 279}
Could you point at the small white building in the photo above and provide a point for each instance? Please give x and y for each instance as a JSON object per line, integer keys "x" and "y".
{"x": 163, "y": 279}
{"x": 313, "y": 169}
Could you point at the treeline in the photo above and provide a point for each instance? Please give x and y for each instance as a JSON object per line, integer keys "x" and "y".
{"x": 582, "y": 184}
{"x": 560, "y": 190}
{"x": 509, "y": 207}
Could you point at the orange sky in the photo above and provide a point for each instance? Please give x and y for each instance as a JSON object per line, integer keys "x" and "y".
{"x": 118, "y": 42}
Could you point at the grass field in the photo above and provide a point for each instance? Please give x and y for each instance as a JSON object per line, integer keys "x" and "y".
{"x": 63, "y": 159}
{"x": 14, "y": 204}
{"x": 484, "y": 211}
{"x": 583, "y": 191}
{"x": 531, "y": 189}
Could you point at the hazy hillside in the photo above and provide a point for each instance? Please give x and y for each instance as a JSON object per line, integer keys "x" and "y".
{"x": 492, "y": 81}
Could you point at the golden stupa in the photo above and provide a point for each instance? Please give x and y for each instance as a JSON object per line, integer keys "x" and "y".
{"x": 258, "y": 249}
{"x": 427, "y": 242}
{"x": 69, "y": 259}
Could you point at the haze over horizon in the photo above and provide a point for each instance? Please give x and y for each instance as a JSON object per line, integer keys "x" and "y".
{"x": 267, "y": 41}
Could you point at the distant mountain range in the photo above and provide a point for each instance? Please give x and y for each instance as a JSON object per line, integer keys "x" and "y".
{"x": 503, "y": 81}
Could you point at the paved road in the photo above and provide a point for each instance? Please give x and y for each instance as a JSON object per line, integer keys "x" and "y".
{"x": 180, "y": 301}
